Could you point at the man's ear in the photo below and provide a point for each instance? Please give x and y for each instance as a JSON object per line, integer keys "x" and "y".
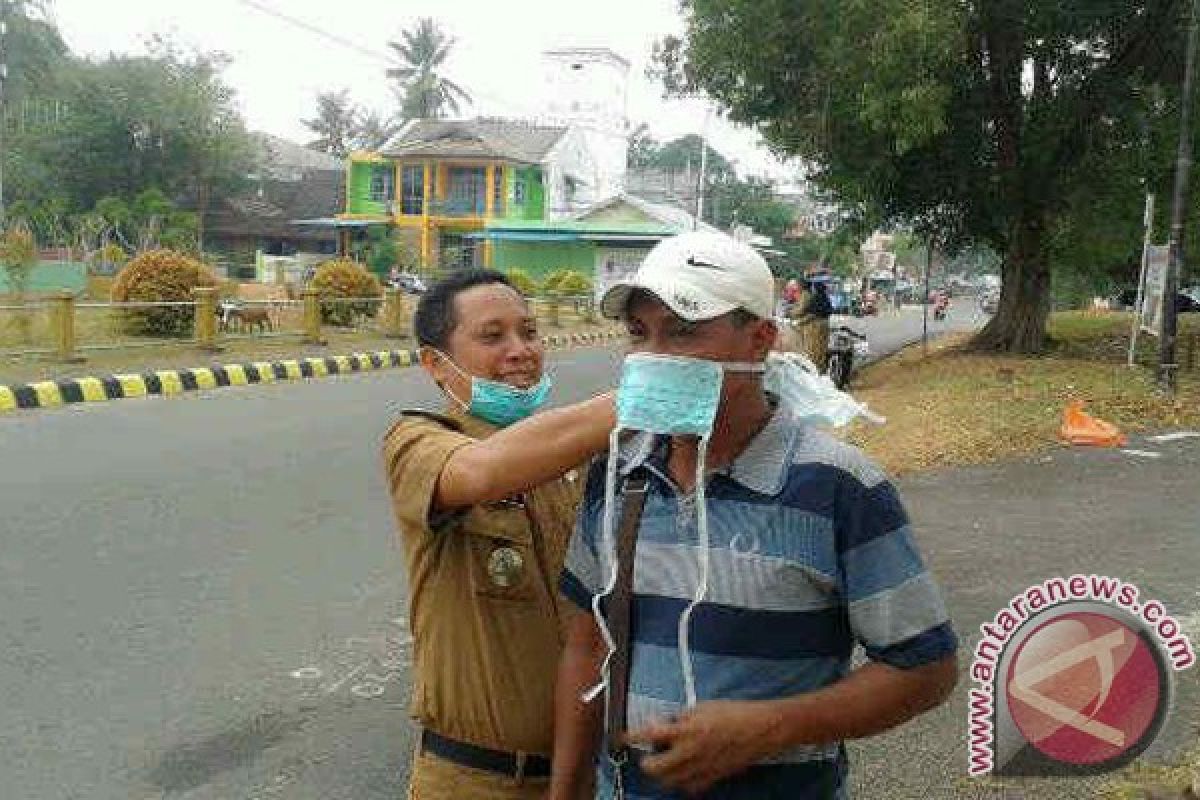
{"x": 763, "y": 337}
{"x": 433, "y": 363}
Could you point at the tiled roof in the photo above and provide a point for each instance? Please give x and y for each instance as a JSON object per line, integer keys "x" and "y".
{"x": 512, "y": 140}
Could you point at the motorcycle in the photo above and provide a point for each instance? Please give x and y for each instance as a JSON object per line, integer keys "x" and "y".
{"x": 845, "y": 345}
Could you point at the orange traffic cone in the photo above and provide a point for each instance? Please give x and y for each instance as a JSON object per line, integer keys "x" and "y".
{"x": 1081, "y": 428}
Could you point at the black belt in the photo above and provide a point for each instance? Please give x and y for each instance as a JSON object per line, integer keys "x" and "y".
{"x": 469, "y": 755}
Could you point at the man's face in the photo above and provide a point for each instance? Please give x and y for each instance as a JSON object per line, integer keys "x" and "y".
{"x": 496, "y": 338}
{"x": 655, "y": 328}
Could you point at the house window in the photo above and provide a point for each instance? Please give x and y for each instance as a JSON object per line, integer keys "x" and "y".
{"x": 468, "y": 190}
{"x": 519, "y": 192}
{"x": 382, "y": 179}
{"x": 412, "y": 190}
{"x": 498, "y": 190}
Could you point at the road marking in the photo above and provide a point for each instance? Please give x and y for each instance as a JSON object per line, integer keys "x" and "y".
{"x": 345, "y": 678}
{"x": 1173, "y": 437}
{"x": 1142, "y": 453}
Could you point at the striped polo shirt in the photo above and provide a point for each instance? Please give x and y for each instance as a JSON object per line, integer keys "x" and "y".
{"x": 810, "y": 552}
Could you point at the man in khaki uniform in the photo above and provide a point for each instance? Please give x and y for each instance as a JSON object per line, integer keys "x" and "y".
{"x": 485, "y": 497}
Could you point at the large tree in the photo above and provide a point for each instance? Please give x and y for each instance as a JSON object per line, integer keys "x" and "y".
{"x": 423, "y": 91}
{"x": 983, "y": 122}
{"x": 163, "y": 121}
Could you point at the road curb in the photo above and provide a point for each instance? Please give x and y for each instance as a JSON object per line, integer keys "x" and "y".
{"x": 55, "y": 394}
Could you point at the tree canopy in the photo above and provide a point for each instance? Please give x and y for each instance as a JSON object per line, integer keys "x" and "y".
{"x": 995, "y": 123}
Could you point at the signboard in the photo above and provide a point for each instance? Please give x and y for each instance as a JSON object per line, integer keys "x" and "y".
{"x": 1157, "y": 259}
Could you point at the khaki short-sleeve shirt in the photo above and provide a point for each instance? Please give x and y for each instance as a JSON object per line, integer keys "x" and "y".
{"x": 483, "y": 592}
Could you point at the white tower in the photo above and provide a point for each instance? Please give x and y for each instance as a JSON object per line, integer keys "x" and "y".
{"x": 586, "y": 89}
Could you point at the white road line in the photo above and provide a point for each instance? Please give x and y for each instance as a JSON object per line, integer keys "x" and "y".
{"x": 1142, "y": 453}
{"x": 1173, "y": 437}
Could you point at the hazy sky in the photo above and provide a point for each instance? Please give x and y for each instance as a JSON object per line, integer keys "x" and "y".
{"x": 279, "y": 66}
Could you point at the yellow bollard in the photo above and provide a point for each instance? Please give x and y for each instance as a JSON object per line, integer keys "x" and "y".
{"x": 205, "y": 323}
{"x": 312, "y": 315}
{"x": 391, "y": 316}
{"x": 64, "y": 328}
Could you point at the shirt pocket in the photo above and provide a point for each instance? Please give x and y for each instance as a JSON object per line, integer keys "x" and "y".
{"x": 503, "y": 565}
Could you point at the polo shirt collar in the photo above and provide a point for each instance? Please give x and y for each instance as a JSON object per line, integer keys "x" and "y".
{"x": 761, "y": 466}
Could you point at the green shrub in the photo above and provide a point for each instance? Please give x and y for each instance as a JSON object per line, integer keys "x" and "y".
{"x": 160, "y": 276}
{"x": 525, "y": 284}
{"x": 346, "y": 279}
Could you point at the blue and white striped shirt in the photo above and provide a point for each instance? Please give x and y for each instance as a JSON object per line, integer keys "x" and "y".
{"x": 810, "y": 552}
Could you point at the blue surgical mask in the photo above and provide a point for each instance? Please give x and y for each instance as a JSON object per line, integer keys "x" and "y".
{"x": 668, "y": 394}
{"x": 500, "y": 403}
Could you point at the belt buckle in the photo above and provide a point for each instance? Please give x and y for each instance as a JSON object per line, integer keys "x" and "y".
{"x": 520, "y": 758}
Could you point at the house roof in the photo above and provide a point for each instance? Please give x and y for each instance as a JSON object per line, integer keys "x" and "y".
{"x": 270, "y": 212}
{"x": 622, "y": 215}
{"x": 511, "y": 140}
{"x": 281, "y": 157}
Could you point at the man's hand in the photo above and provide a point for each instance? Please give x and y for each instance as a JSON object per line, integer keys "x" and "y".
{"x": 708, "y": 743}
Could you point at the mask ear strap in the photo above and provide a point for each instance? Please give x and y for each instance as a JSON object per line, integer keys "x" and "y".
{"x": 459, "y": 370}
{"x": 685, "y": 619}
{"x": 744, "y": 366}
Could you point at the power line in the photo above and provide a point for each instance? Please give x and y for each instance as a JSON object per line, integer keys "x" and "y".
{"x": 381, "y": 57}
{"x": 318, "y": 31}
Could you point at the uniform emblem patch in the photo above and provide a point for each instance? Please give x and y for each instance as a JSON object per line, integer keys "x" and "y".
{"x": 505, "y": 567}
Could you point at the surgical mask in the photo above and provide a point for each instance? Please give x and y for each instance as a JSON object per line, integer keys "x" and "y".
{"x": 680, "y": 396}
{"x": 499, "y": 403}
{"x": 673, "y": 396}
{"x": 810, "y": 396}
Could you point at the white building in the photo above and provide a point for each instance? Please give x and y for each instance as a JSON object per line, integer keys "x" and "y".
{"x": 586, "y": 90}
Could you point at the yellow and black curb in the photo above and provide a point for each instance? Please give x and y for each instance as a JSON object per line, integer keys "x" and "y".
{"x": 52, "y": 394}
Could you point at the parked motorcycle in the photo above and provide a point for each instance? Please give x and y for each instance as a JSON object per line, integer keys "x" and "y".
{"x": 845, "y": 345}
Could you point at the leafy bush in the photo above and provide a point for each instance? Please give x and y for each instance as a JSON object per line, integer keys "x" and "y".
{"x": 567, "y": 283}
{"x": 346, "y": 279}
{"x": 160, "y": 276}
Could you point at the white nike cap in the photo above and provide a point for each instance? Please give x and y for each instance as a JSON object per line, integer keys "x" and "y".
{"x": 700, "y": 276}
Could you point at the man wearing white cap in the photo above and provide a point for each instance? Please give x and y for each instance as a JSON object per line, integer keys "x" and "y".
{"x": 728, "y": 558}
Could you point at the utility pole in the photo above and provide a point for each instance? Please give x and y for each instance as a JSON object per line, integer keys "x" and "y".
{"x": 1167, "y": 368}
{"x": 3, "y": 97}
{"x": 925, "y": 304}
{"x": 703, "y": 170}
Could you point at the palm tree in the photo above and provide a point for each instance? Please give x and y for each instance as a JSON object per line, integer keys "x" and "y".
{"x": 335, "y": 124}
{"x": 373, "y": 130}
{"x": 422, "y": 91}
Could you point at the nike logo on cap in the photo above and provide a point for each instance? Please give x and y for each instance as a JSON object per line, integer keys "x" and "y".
{"x": 693, "y": 261}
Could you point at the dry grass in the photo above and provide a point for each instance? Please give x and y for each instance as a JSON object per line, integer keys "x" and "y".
{"x": 1142, "y": 781}
{"x": 955, "y": 407}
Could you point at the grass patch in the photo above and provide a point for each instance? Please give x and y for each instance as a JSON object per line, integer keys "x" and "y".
{"x": 1179, "y": 781}
{"x": 954, "y": 407}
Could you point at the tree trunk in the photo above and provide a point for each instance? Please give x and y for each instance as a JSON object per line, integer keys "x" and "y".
{"x": 1019, "y": 325}
{"x": 203, "y": 199}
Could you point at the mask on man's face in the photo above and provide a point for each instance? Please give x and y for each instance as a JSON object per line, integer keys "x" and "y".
{"x": 499, "y": 403}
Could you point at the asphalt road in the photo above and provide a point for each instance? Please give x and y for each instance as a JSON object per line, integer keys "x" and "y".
{"x": 203, "y": 598}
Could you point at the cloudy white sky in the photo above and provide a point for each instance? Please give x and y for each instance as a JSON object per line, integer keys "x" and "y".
{"x": 279, "y": 66}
